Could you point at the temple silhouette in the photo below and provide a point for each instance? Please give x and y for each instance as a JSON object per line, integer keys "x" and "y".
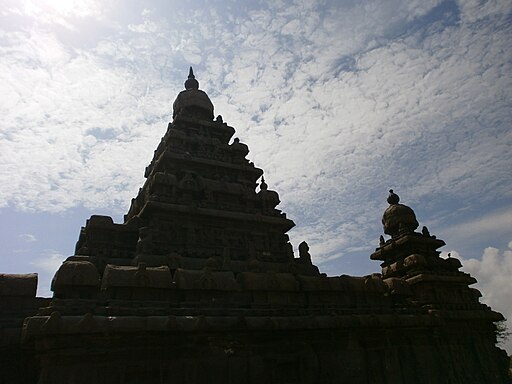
{"x": 200, "y": 284}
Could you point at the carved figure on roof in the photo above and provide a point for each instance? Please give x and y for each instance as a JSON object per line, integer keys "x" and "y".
{"x": 304, "y": 255}
{"x": 425, "y": 231}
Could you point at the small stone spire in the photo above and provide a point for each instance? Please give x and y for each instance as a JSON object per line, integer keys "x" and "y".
{"x": 191, "y": 82}
{"x": 263, "y": 185}
{"x": 393, "y": 197}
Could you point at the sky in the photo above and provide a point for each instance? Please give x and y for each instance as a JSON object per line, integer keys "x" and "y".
{"x": 338, "y": 101}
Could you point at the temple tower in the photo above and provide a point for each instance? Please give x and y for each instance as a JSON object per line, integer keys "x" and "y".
{"x": 199, "y": 204}
{"x": 199, "y": 200}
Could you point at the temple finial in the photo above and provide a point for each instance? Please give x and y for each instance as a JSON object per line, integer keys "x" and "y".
{"x": 263, "y": 185}
{"x": 393, "y": 197}
{"x": 191, "y": 82}
{"x": 398, "y": 219}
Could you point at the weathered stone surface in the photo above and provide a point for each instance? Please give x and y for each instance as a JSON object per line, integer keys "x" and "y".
{"x": 76, "y": 273}
{"x": 17, "y": 301}
{"x": 206, "y": 279}
{"x": 18, "y": 284}
{"x": 141, "y": 276}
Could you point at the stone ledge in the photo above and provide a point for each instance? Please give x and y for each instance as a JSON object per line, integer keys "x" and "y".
{"x": 41, "y": 326}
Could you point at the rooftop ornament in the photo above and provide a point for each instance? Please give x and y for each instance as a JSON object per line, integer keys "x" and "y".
{"x": 192, "y": 102}
{"x": 398, "y": 219}
{"x": 191, "y": 82}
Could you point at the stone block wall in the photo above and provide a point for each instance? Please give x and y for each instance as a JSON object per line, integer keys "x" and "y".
{"x": 18, "y": 364}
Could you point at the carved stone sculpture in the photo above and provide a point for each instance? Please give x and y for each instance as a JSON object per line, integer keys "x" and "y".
{"x": 304, "y": 255}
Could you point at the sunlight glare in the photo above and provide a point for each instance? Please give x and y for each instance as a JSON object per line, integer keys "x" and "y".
{"x": 63, "y": 8}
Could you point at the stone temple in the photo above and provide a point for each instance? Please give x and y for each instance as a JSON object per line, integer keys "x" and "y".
{"x": 200, "y": 285}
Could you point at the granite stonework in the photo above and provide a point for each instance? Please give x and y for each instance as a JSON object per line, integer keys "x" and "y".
{"x": 200, "y": 284}
{"x": 18, "y": 363}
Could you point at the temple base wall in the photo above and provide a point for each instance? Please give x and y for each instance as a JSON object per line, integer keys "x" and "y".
{"x": 350, "y": 349}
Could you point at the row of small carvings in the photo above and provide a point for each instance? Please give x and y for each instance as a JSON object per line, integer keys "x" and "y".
{"x": 83, "y": 273}
{"x": 88, "y": 323}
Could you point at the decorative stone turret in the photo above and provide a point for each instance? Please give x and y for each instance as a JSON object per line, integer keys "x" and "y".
{"x": 412, "y": 257}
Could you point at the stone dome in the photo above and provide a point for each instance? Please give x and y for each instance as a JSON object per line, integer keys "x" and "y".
{"x": 192, "y": 101}
{"x": 398, "y": 218}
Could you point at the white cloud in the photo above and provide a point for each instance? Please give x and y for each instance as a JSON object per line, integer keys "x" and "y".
{"x": 27, "y": 237}
{"x": 474, "y": 10}
{"x": 66, "y": 125}
{"x": 49, "y": 262}
{"x": 59, "y": 12}
{"x": 492, "y": 223}
{"x": 493, "y": 273}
